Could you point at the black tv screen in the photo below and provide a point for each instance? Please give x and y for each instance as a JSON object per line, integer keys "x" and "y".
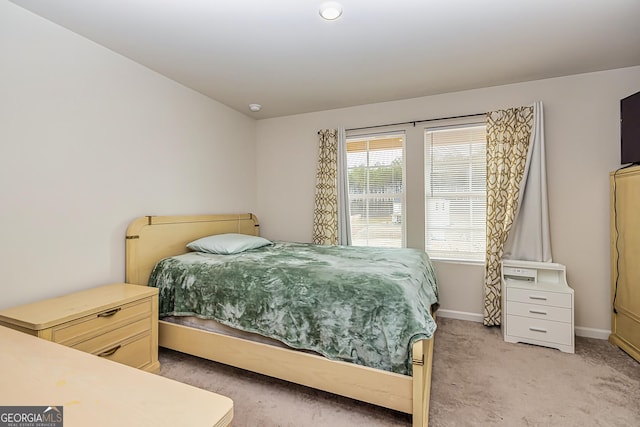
{"x": 630, "y": 129}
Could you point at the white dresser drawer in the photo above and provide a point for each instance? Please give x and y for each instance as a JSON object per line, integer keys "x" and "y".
{"x": 539, "y": 330}
{"x": 539, "y": 297}
{"x": 544, "y": 312}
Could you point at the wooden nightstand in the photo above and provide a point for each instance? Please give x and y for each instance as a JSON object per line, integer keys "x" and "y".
{"x": 118, "y": 322}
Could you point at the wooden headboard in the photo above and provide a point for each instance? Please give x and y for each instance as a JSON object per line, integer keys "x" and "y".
{"x": 152, "y": 238}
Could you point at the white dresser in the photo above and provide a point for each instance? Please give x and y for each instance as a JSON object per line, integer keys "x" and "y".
{"x": 537, "y": 304}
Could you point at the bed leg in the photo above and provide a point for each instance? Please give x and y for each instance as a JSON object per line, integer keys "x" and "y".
{"x": 422, "y": 362}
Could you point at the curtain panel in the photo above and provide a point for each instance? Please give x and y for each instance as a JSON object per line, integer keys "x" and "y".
{"x": 325, "y": 213}
{"x": 344, "y": 210}
{"x": 530, "y": 236}
{"x": 508, "y": 139}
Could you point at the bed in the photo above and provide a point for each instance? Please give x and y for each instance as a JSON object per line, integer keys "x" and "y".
{"x": 155, "y": 238}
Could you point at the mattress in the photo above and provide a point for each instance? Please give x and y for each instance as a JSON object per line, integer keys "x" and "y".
{"x": 219, "y": 328}
{"x": 356, "y": 304}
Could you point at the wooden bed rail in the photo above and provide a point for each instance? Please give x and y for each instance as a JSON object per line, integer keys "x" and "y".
{"x": 382, "y": 388}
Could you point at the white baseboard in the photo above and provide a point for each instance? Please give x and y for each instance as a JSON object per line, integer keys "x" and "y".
{"x": 580, "y": 331}
{"x": 600, "y": 334}
{"x": 459, "y": 315}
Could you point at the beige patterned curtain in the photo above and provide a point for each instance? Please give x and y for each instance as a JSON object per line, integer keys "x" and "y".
{"x": 325, "y": 213}
{"x": 508, "y": 138}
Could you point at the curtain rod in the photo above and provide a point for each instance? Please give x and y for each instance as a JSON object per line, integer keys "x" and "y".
{"x": 413, "y": 122}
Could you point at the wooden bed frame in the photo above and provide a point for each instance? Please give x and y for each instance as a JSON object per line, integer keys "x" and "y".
{"x": 152, "y": 238}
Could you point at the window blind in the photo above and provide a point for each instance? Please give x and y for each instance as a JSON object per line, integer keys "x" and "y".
{"x": 455, "y": 186}
{"x": 376, "y": 189}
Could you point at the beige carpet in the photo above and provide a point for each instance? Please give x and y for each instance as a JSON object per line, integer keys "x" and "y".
{"x": 478, "y": 380}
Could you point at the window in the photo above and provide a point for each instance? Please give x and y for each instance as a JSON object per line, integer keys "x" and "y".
{"x": 455, "y": 192}
{"x": 376, "y": 189}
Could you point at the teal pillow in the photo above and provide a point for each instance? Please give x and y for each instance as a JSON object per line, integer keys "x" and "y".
{"x": 226, "y": 244}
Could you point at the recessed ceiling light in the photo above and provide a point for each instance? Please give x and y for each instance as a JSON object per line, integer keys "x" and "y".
{"x": 330, "y": 10}
{"x": 255, "y": 107}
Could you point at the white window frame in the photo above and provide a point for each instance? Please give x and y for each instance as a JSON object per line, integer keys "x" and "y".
{"x": 467, "y": 256}
{"x": 369, "y": 196}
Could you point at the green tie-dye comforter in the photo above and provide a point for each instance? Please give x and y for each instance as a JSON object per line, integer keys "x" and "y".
{"x": 357, "y": 304}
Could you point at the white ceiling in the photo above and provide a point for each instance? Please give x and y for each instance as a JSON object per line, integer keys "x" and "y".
{"x": 281, "y": 54}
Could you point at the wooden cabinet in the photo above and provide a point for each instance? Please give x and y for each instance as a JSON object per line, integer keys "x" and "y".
{"x": 537, "y": 305}
{"x": 118, "y": 322}
{"x": 625, "y": 260}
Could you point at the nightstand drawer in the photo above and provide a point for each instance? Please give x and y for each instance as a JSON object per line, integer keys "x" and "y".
{"x": 540, "y": 330}
{"x": 117, "y": 321}
{"x": 90, "y": 326}
{"x": 535, "y": 311}
{"x": 539, "y": 297}
{"x": 135, "y": 352}
{"x": 111, "y": 338}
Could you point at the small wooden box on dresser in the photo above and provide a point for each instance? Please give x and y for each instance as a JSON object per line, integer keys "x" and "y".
{"x": 625, "y": 260}
{"x": 537, "y": 305}
{"x": 118, "y": 322}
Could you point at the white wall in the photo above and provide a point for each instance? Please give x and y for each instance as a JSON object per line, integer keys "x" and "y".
{"x": 90, "y": 140}
{"x": 582, "y": 141}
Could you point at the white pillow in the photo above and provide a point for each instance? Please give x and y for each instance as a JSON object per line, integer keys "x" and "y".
{"x": 226, "y": 244}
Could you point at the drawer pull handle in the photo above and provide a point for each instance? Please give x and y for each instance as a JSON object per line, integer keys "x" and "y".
{"x": 538, "y": 298}
{"x": 544, "y": 331}
{"x": 538, "y": 312}
{"x": 110, "y": 312}
{"x": 110, "y": 352}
